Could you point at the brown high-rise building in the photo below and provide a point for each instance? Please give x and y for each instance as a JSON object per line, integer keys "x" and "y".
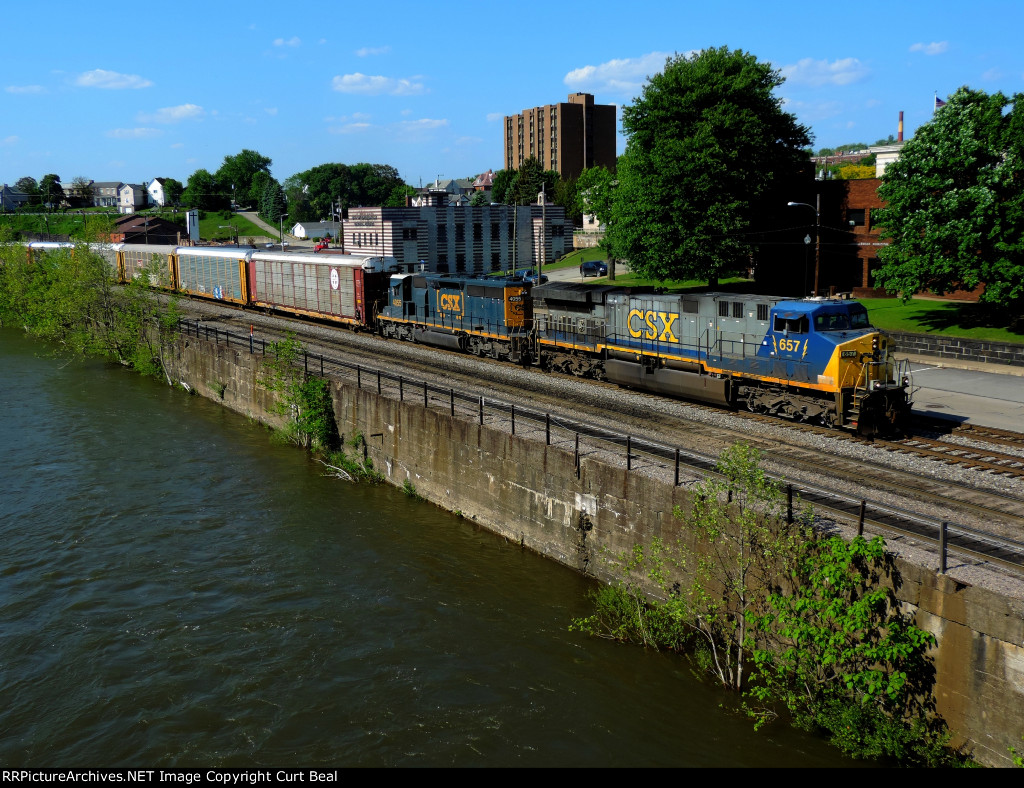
{"x": 565, "y": 137}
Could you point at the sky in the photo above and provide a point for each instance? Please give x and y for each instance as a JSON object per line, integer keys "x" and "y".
{"x": 132, "y": 92}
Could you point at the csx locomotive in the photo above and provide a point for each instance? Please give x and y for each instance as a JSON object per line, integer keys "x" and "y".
{"x": 816, "y": 360}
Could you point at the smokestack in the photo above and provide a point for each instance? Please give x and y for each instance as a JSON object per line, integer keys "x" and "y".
{"x": 899, "y": 135}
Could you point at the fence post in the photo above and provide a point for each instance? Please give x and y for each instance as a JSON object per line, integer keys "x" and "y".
{"x": 305, "y": 362}
{"x": 426, "y": 403}
{"x": 547, "y": 428}
{"x": 942, "y": 547}
{"x": 789, "y": 504}
{"x": 321, "y": 365}
{"x": 629, "y": 452}
{"x": 451, "y": 394}
{"x": 481, "y": 410}
{"x": 860, "y": 520}
{"x": 378, "y": 381}
{"x": 401, "y": 389}
{"x": 577, "y": 455}
{"x": 513, "y": 419}
{"x": 359, "y": 376}
{"x": 677, "y": 468}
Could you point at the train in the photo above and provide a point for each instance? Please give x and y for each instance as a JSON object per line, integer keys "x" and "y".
{"x": 815, "y": 360}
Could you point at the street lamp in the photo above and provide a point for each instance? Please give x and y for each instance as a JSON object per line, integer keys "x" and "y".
{"x": 280, "y": 220}
{"x": 817, "y": 236}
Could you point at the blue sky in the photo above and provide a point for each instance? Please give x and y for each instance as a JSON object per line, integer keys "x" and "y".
{"x": 137, "y": 91}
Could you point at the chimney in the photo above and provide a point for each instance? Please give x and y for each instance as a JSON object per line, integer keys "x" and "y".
{"x": 899, "y": 134}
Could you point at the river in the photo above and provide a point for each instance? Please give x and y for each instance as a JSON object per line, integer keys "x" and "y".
{"x": 177, "y": 589}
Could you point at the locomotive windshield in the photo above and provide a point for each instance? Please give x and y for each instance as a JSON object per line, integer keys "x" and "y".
{"x": 852, "y": 318}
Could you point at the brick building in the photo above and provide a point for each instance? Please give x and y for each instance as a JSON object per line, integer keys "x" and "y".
{"x": 566, "y": 137}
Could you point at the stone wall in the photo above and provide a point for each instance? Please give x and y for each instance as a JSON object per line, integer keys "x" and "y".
{"x": 529, "y": 492}
{"x": 960, "y": 349}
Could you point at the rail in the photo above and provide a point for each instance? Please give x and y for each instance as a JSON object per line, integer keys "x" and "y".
{"x": 944, "y": 535}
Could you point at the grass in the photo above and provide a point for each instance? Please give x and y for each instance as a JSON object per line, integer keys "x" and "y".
{"x": 210, "y": 228}
{"x": 946, "y": 318}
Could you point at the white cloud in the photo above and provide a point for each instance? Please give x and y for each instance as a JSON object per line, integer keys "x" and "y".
{"x": 992, "y": 75}
{"x": 368, "y": 51}
{"x": 422, "y": 123}
{"x": 494, "y": 117}
{"x": 270, "y": 110}
{"x": 821, "y": 72}
{"x": 809, "y": 111}
{"x": 173, "y": 114}
{"x": 11, "y": 140}
{"x": 294, "y": 41}
{"x": 178, "y": 145}
{"x": 934, "y": 48}
{"x": 25, "y": 89}
{"x": 134, "y": 134}
{"x": 625, "y": 75}
{"x": 376, "y": 85}
{"x": 350, "y": 128}
{"x": 111, "y": 80}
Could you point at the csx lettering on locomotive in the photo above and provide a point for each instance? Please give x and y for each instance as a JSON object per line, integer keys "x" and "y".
{"x": 645, "y": 324}
{"x": 449, "y": 302}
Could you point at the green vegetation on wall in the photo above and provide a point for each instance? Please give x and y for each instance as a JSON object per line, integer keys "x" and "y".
{"x": 800, "y": 624}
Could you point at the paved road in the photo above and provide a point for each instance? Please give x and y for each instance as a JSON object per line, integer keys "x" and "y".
{"x": 988, "y": 395}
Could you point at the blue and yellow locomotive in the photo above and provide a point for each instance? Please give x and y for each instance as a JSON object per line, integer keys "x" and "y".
{"x": 489, "y": 316}
{"x": 815, "y": 360}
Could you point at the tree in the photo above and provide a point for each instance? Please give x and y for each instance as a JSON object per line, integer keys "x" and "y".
{"x": 29, "y": 186}
{"x": 173, "y": 190}
{"x": 499, "y": 185}
{"x": 240, "y": 171}
{"x": 707, "y": 140}
{"x": 528, "y": 182}
{"x": 479, "y": 199}
{"x": 50, "y": 190}
{"x": 272, "y": 201}
{"x": 594, "y": 193}
{"x": 954, "y": 214}
{"x": 80, "y": 190}
{"x": 203, "y": 192}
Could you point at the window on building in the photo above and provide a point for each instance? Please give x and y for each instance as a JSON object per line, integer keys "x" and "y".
{"x": 442, "y": 233}
{"x": 857, "y": 217}
{"x": 460, "y": 233}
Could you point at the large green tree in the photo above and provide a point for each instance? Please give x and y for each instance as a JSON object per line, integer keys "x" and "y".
{"x": 706, "y": 141}
{"x": 954, "y": 214}
{"x": 204, "y": 192}
{"x": 240, "y": 171}
{"x": 50, "y": 190}
{"x": 314, "y": 193}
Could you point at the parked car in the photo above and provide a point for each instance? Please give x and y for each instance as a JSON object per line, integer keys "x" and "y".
{"x": 594, "y": 268}
{"x": 531, "y": 277}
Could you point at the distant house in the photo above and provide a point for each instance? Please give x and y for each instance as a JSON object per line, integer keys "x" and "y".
{"x": 105, "y": 194}
{"x": 484, "y": 182}
{"x": 131, "y": 197}
{"x": 10, "y": 199}
{"x": 315, "y": 229}
{"x": 133, "y": 229}
{"x": 156, "y": 191}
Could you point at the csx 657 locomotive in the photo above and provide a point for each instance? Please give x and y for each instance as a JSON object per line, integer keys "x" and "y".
{"x": 816, "y": 360}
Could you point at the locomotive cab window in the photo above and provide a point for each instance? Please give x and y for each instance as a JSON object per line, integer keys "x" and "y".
{"x": 791, "y": 325}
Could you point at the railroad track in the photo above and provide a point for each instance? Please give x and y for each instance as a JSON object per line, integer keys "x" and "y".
{"x": 998, "y": 548}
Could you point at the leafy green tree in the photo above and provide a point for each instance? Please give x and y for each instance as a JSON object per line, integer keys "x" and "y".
{"x": 479, "y": 199}
{"x": 706, "y": 142}
{"x": 29, "y": 186}
{"x": 50, "y": 190}
{"x": 80, "y": 191}
{"x": 240, "y": 171}
{"x": 173, "y": 189}
{"x": 954, "y": 214}
{"x": 528, "y": 181}
{"x": 398, "y": 195}
{"x": 499, "y": 186}
{"x": 204, "y": 192}
{"x": 595, "y": 190}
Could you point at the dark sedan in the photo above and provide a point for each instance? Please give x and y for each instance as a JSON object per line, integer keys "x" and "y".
{"x": 594, "y": 268}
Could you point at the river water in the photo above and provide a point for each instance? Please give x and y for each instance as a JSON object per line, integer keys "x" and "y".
{"x": 178, "y": 590}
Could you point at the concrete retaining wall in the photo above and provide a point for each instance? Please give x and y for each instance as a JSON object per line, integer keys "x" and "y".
{"x": 960, "y": 349}
{"x": 529, "y": 492}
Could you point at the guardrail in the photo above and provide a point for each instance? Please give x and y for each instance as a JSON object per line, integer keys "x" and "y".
{"x": 942, "y": 534}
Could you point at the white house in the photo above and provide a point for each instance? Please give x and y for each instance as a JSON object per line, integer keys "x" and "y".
{"x": 315, "y": 229}
{"x": 130, "y": 197}
{"x": 157, "y": 196}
